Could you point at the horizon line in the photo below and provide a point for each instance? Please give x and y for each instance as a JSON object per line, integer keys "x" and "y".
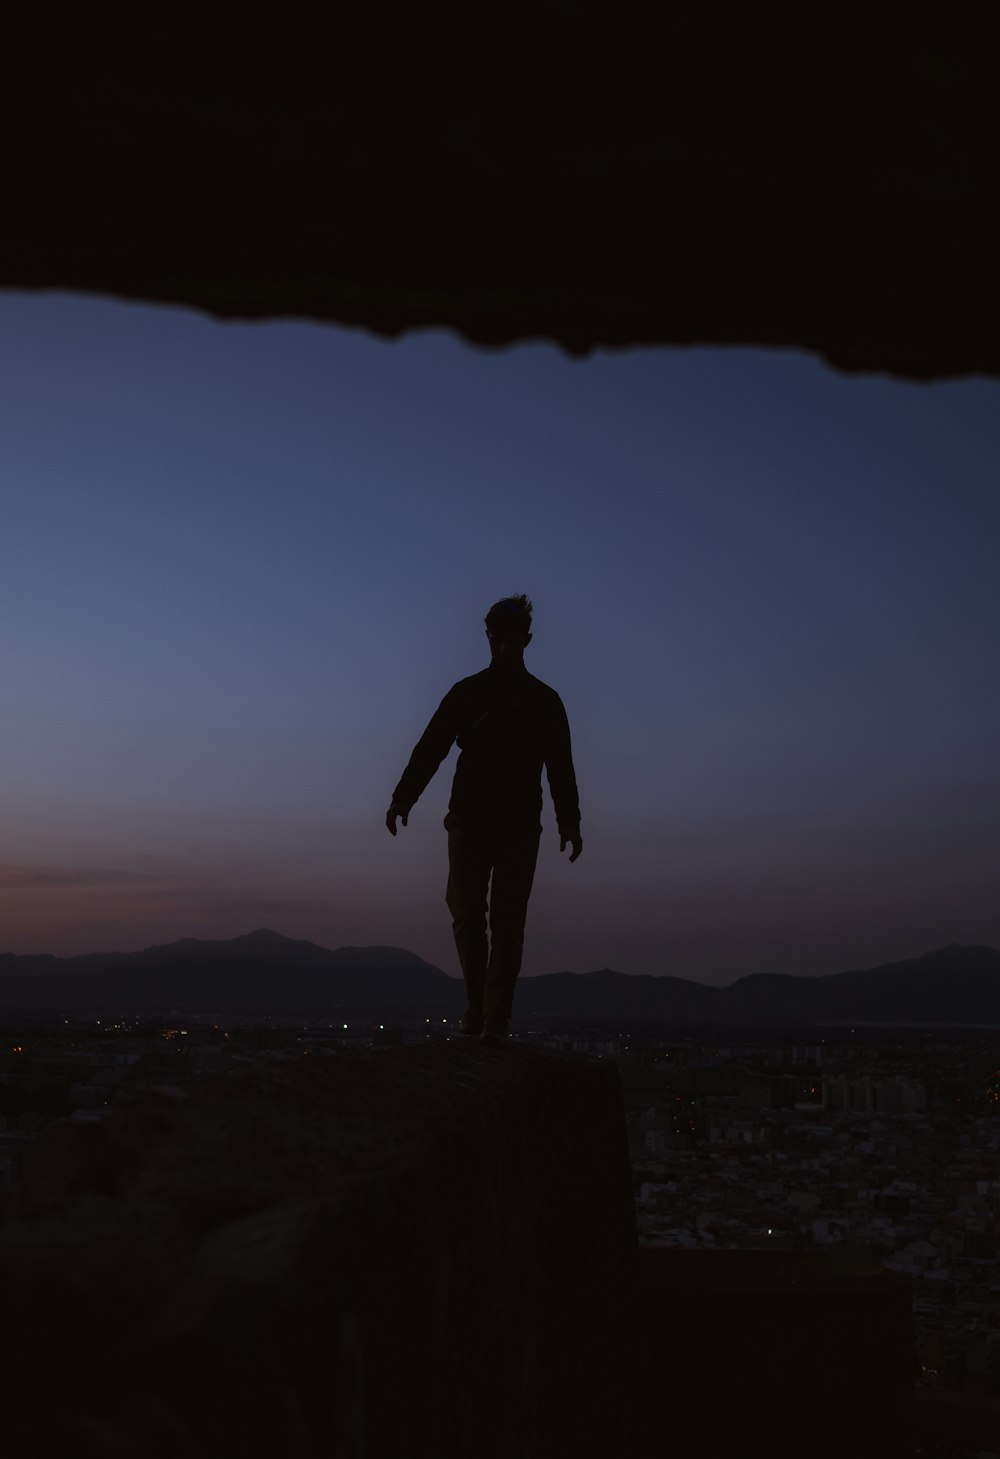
{"x": 561, "y": 972}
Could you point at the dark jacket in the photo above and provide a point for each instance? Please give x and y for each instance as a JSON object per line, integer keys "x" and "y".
{"x": 508, "y": 724}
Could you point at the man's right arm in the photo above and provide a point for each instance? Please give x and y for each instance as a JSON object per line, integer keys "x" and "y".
{"x": 435, "y": 742}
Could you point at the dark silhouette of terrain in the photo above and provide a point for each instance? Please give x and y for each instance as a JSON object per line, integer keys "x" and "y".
{"x": 645, "y": 189}
{"x": 265, "y": 973}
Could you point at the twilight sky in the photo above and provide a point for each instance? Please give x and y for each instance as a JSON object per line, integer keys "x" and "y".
{"x": 241, "y": 564}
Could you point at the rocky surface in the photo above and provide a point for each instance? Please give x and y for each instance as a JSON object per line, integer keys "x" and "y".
{"x": 798, "y": 1342}
{"x": 412, "y": 1252}
{"x": 663, "y": 178}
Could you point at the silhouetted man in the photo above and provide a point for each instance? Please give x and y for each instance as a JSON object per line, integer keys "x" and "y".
{"x": 508, "y": 724}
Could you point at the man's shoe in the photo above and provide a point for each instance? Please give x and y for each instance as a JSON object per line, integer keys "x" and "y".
{"x": 471, "y": 1023}
{"x": 495, "y": 1034}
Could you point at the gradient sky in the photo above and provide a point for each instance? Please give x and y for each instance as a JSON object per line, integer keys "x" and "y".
{"x": 241, "y": 565}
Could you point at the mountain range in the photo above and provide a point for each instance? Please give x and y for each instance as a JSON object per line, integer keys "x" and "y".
{"x": 265, "y": 973}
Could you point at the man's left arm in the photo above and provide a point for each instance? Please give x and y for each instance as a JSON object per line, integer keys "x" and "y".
{"x": 562, "y": 781}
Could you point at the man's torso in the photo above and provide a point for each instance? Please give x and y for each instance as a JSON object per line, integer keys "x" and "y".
{"x": 506, "y": 724}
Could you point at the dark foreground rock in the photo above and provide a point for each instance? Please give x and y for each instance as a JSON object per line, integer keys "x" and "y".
{"x": 785, "y": 1353}
{"x": 414, "y": 1252}
{"x": 652, "y": 178}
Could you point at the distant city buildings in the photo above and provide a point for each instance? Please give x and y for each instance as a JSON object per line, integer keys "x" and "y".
{"x": 874, "y": 1094}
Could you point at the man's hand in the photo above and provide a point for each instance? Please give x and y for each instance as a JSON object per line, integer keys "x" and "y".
{"x": 575, "y": 841}
{"x": 390, "y": 817}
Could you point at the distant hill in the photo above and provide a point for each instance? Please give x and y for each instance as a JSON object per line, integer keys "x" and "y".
{"x": 607, "y": 994}
{"x": 263, "y": 972}
{"x": 953, "y": 984}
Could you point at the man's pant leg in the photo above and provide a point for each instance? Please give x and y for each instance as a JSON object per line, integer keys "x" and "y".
{"x": 514, "y": 859}
{"x": 470, "y": 860}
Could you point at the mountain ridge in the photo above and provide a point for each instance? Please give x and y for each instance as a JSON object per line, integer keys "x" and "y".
{"x": 263, "y": 971}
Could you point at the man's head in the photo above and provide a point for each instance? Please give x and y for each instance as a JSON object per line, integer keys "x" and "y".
{"x": 508, "y": 628}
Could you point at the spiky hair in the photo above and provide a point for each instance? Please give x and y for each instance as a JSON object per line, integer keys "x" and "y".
{"x": 511, "y": 615}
